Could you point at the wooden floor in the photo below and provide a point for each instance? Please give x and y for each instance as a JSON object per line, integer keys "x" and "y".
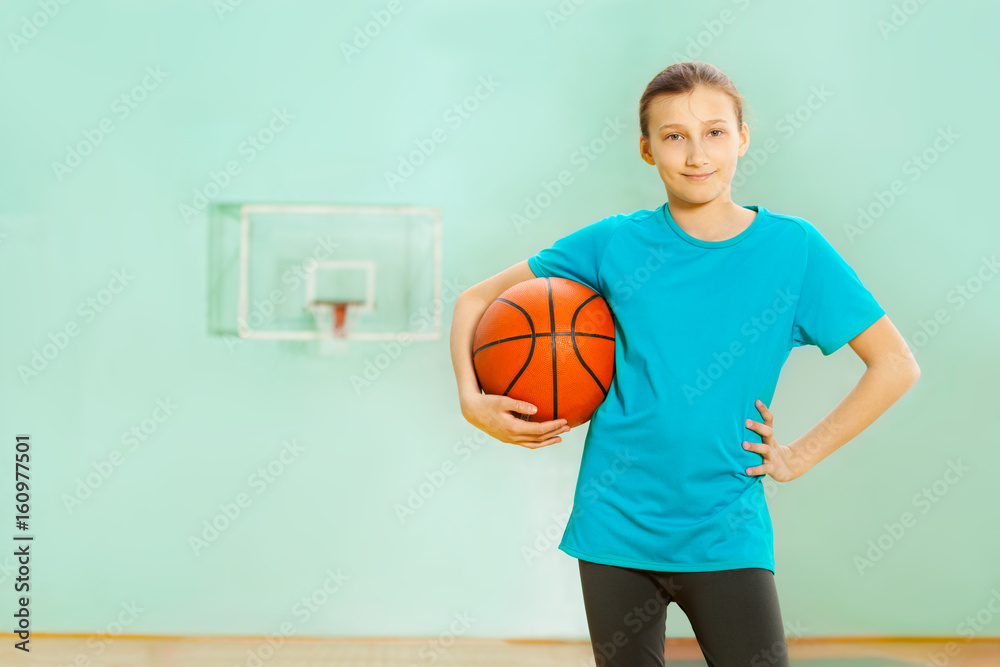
{"x": 84, "y": 651}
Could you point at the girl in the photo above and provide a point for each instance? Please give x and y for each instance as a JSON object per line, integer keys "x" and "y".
{"x": 708, "y": 299}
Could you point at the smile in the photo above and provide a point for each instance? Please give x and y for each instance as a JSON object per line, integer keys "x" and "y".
{"x": 700, "y": 177}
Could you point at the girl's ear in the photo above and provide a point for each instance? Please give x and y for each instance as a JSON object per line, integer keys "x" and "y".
{"x": 744, "y": 139}
{"x": 644, "y": 152}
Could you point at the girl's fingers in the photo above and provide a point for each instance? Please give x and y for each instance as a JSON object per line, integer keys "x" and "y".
{"x": 533, "y": 435}
{"x": 535, "y": 429}
{"x": 548, "y": 442}
{"x": 540, "y": 437}
{"x": 762, "y": 429}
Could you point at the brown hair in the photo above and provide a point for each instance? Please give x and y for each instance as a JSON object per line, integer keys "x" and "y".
{"x": 682, "y": 78}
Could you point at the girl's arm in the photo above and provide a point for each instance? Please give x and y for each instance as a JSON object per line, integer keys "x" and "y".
{"x": 891, "y": 372}
{"x": 487, "y": 412}
{"x": 469, "y": 309}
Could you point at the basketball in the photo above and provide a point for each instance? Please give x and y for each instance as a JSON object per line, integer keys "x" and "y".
{"x": 551, "y": 342}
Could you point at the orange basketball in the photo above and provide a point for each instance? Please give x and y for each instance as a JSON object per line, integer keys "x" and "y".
{"x": 551, "y": 342}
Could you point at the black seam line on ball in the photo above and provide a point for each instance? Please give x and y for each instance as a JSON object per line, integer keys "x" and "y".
{"x": 542, "y": 335}
{"x": 531, "y": 351}
{"x": 502, "y": 340}
{"x": 576, "y": 350}
{"x": 552, "y": 327}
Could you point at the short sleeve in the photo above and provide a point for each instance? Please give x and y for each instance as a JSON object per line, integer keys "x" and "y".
{"x": 577, "y": 256}
{"x": 833, "y": 305}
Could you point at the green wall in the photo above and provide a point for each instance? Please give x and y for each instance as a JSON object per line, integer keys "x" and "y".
{"x": 840, "y": 110}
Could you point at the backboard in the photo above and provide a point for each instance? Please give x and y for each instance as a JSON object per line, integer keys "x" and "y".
{"x": 301, "y": 272}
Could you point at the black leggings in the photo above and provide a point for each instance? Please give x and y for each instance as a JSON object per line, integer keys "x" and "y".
{"x": 734, "y": 614}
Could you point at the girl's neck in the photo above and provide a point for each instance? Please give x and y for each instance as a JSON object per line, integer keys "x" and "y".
{"x": 712, "y": 221}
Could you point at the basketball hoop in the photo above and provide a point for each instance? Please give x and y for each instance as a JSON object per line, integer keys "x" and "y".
{"x": 331, "y": 322}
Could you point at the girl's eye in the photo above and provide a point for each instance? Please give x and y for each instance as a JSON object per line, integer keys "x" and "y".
{"x": 674, "y": 134}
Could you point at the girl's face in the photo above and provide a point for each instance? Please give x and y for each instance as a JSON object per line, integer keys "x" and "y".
{"x": 694, "y": 134}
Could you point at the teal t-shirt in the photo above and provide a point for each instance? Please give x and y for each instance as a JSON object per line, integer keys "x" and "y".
{"x": 702, "y": 331}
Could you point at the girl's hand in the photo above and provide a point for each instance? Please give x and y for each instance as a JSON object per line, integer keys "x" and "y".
{"x": 491, "y": 414}
{"x": 780, "y": 462}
